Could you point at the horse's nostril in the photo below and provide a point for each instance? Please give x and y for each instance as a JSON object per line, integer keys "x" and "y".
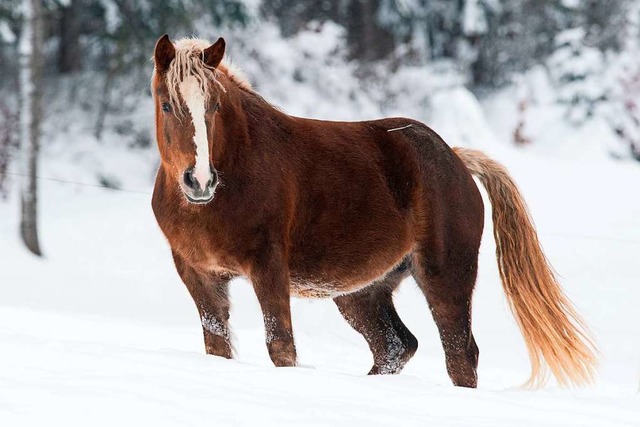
{"x": 189, "y": 180}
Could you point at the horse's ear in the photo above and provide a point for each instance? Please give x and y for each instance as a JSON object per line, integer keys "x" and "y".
{"x": 163, "y": 53}
{"x": 214, "y": 53}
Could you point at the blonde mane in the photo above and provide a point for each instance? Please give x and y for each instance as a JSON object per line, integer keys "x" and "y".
{"x": 188, "y": 62}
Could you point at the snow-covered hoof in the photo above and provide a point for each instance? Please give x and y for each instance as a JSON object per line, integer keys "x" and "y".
{"x": 399, "y": 352}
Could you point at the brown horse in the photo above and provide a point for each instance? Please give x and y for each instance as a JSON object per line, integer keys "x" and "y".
{"x": 341, "y": 210}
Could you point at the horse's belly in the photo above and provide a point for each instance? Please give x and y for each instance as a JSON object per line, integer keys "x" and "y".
{"x": 309, "y": 288}
{"x": 340, "y": 273}
{"x": 348, "y": 283}
{"x": 351, "y": 242}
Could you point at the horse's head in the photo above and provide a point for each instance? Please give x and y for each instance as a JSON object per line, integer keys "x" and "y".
{"x": 187, "y": 96}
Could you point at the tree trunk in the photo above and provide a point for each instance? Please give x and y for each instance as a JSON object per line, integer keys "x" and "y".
{"x": 30, "y": 48}
{"x": 105, "y": 99}
{"x": 367, "y": 40}
{"x": 69, "y": 57}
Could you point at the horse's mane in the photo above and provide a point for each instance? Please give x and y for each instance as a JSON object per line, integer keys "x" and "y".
{"x": 188, "y": 62}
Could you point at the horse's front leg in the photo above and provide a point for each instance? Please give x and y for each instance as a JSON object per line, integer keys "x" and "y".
{"x": 210, "y": 292}
{"x": 270, "y": 280}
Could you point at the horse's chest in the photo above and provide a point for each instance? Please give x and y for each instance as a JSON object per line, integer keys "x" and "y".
{"x": 198, "y": 246}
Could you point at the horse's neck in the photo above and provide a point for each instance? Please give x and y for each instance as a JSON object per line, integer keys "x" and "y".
{"x": 258, "y": 114}
{"x": 251, "y": 126}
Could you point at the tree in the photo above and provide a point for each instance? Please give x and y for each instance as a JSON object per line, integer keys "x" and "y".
{"x": 69, "y": 30}
{"x": 8, "y": 142}
{"x": 30, "y": 50}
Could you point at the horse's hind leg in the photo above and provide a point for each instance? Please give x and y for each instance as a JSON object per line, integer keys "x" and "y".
{"x": 371, "y": 313}
{"x": 211, "y": 295}
{"x": 448, "y": 287}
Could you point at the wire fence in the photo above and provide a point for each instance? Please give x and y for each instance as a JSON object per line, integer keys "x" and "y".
{"x": 80, "y": 184}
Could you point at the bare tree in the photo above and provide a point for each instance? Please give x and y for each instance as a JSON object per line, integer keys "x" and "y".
{"x": 8, "y": 143}
{"x": 30, "y": 50}
{"x": 69, "y": 29}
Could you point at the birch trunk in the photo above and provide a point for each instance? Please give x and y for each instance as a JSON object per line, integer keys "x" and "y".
{"x": 30, "y": 50}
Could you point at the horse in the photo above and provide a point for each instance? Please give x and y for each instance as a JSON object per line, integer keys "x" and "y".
{"x": 342, "y": 210}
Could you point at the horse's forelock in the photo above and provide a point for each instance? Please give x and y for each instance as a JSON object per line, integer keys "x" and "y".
{"x": 188, "y": 62}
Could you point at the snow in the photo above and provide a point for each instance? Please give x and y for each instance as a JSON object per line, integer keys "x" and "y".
{"x": 212, "y": 325}
{"x": 474, "y": 21}
{"x": 571, "y": 4}
{"x": 104, "y": 383}
{"x": 582, "y": 103}
{"x": 112, "y": 17}
{"x": 6, "y": 34}
{"x": 102, "y": 332}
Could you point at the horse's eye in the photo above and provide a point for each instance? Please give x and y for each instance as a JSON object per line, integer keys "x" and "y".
{"x": 166, "y": 107}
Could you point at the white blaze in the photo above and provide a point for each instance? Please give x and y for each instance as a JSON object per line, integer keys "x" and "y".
{"x": 194, "y": 98}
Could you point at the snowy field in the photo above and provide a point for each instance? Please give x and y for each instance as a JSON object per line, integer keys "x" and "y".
{"x": 102, "y": 331}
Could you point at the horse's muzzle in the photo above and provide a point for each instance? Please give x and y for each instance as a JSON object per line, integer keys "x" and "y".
{"x": 194, "y": 191}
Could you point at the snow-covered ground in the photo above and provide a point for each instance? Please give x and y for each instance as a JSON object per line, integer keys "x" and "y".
{"x": 102, "y": 331}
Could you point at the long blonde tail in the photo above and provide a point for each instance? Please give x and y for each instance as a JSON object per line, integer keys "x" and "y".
{"x": 556, "y": 336}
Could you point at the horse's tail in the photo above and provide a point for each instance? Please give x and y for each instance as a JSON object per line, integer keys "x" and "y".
{"x": 553, "y": 331}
